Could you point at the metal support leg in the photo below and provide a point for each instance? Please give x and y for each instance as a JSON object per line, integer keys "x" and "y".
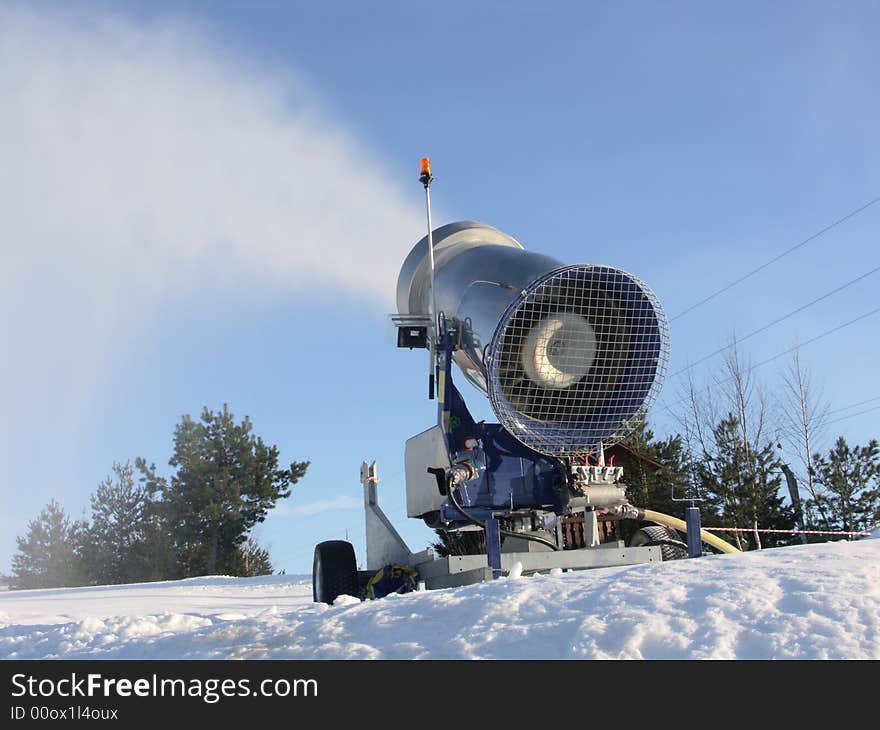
{"x": 591, "y": 529}
{"x": 384, "y": 543}
{"x": 493, "y": 546}
{"x": 692, "y": 520}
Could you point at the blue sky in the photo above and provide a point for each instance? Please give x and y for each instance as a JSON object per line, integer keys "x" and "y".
{"x": 209, "y": 202}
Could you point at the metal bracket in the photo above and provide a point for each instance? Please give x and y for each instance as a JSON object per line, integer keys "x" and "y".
{"x": 384, "y": 543}
{"x": 413, "y": 330}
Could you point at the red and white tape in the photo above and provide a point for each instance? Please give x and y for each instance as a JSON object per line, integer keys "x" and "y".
{"x": 786, "y": 532}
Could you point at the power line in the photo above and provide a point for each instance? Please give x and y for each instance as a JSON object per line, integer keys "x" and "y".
{"x": 817, "y": 337}
{"x": 852, "y": 405}
{"x": 785, "y": 352}
{"x": 853, "y": 415}
{"x": 777, "y": 321}
{"x": 776, "y": 258}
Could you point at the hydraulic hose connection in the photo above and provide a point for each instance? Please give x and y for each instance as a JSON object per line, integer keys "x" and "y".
{"x": 446, "y": 481}
{"x": 507, "y": 533}
{"x": 461, "y": 472}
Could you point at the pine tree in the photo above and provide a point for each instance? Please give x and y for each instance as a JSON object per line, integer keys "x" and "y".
{"x": 158, "y": 558}
{"x": 743, "y": 483}
{"x": 848, "y": 481}
{"x": 653, "y": 470}
{"x": 226, "y": 481}
{"x": 252, "y": 560}
{"x": 117, "y": 549}
{"x": 49, "y": 555}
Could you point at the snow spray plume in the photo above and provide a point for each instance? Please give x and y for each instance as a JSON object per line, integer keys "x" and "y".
{"x": 141, "y": 164}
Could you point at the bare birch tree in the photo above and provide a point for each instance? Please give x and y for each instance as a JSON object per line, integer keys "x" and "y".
{"x": 803, "y": 417}
{"x": 725, "y": 427}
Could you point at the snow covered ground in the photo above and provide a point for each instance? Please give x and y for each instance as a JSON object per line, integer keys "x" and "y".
{"x": 812, "y": 601}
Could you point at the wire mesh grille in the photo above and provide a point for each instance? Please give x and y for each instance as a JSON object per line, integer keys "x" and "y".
{"x": 578, "y": 359}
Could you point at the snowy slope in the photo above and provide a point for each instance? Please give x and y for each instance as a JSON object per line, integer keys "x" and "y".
{"x": 812, "y": 601}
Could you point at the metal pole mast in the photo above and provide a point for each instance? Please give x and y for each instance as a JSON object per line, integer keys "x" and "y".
{"x": 426, "y": 178}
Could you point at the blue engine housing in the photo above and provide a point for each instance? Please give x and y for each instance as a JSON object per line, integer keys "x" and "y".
{"x": 509, "y": 476}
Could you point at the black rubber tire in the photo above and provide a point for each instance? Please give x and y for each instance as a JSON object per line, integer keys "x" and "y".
{"x": 334, "y": 571}
{"x": 671, "y": 546}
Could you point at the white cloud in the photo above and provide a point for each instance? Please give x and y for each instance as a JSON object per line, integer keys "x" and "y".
{"x": 316, "y": 508}
{"x": 141, "y": 163}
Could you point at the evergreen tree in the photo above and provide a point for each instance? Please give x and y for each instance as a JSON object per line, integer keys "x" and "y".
{"x": 226, "y": 481}
{"x": 49, "y": 555}
{"x": 117, "y": 550}
{"x": 743, "y": 483}
{"x": 158, "y": 558}
{"x": 117, "y": 513}
{"x": 253, "y": 560}
{"x": 653, "y": 469}
{"x": 848, "y": 481}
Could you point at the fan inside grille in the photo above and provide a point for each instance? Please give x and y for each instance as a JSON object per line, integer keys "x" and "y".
{"x": 577, "y": 359}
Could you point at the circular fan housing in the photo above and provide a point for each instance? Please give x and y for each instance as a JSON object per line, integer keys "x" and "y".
{"x": 577, "y": 359}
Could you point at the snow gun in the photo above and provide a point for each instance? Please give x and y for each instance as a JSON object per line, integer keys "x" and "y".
{"x": 570, "y": 357}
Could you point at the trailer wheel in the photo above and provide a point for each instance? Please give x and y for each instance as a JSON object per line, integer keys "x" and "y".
{"x": 671, "y": 546}
{"x": 334, "y": 571}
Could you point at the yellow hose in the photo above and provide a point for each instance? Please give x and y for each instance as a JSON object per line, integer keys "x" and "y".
{"x": 707, "y": 537}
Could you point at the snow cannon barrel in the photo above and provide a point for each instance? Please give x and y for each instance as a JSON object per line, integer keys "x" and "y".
{"x": 569, "y": 356}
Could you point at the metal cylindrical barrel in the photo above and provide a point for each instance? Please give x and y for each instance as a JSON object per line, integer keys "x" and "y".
{"x": 569, "y": 356}
{"x": 479, "y": 272}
